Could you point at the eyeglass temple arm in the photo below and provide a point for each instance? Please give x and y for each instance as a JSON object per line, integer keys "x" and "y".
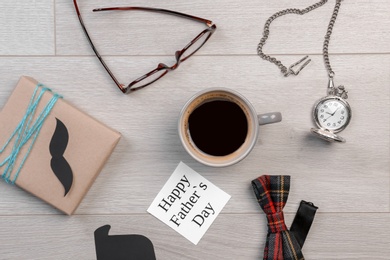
{"x": 156, "y": 10}
{"x": 120, "y": 86}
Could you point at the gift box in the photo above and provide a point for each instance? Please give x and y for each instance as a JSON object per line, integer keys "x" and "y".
{"x": 63, "y": 152}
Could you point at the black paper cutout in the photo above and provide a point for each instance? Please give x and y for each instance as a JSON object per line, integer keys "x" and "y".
{"x": 122, "y": 247}
{"x": 58, "y": 163}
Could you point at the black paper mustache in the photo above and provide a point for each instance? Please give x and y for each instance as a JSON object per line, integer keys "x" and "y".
{"x": 58, "y": 163}
{"x": 122, "y": 247}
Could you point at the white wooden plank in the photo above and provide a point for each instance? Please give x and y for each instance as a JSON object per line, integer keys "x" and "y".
{"x": 27, "y": 28}
{"x": 232, "y": 236}
{"x": 351, "y": 177}
{"x": 362, "y": 27}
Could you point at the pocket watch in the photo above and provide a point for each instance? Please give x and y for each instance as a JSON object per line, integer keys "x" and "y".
{"x": 332, "y": 114}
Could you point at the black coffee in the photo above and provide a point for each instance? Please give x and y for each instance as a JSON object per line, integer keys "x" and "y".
{"x": 218, "y": 127}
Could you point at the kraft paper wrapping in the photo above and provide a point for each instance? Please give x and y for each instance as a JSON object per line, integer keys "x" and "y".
{"x": 89, "y": 146}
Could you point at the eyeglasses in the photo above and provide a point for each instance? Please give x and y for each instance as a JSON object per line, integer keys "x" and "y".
{"x": 162, "y": 69}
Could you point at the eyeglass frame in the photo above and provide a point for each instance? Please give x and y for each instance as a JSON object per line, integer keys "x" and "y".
{"x": 211, "y": 27}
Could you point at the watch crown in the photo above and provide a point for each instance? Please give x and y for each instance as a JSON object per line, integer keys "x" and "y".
{"x": 341, "y": 92}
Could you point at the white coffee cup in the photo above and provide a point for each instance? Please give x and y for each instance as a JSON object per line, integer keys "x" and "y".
{"x": 253, "y": 121}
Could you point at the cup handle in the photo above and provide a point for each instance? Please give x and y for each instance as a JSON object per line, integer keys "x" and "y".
{"x": 269, "y": 118}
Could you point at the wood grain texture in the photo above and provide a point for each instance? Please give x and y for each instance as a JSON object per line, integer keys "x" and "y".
{"x": 362, "y": 27}
{"x": 349, "y": 182}
{"x": 232, "y": 236}
{"x": 27, "y": 28}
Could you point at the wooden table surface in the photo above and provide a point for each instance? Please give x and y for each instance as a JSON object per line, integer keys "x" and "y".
{"x": 348, "y": 182}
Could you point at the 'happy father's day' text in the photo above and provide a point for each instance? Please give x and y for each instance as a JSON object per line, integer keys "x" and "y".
{"x": 177, "y": 193}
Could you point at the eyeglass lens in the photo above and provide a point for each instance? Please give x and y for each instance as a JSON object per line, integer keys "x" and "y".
{"x": 148, "y": 79}
{"x": 195, "y": 46}
{"x": 190, "y": 49}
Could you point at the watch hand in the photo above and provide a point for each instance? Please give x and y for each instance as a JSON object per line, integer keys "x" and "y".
{"x": 327, "y": 118}
{"x": 335, "y": 111}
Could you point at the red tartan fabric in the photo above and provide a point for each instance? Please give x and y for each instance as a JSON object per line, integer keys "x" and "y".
{"x": 272, "y": 193}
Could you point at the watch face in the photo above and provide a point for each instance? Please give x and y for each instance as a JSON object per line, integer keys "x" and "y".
{"x": 332, "y": 113}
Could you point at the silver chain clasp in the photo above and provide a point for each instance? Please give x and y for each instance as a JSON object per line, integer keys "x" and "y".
{"x": 291, "y": 71}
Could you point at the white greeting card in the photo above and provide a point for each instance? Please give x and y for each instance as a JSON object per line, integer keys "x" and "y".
{"x": 188, "y": 203}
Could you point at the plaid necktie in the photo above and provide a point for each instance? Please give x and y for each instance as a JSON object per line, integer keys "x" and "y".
{"x": 272, "y": 193}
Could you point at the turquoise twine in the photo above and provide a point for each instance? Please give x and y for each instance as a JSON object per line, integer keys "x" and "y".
{"x": 25, "y": 130}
